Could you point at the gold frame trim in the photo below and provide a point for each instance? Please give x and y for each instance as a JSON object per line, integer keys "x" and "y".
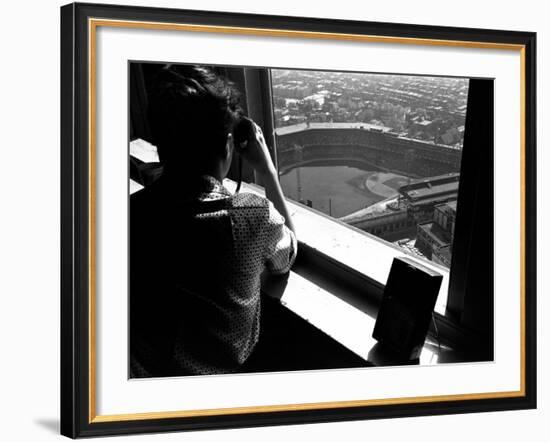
{"x": 93, "y": 24}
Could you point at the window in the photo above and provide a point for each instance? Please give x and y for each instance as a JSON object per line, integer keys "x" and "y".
{"x": 374, "y": 151}
{"x": 403, "y": 141}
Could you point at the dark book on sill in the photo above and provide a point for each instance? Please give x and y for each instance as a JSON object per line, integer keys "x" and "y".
{"x": 406, "y": 309}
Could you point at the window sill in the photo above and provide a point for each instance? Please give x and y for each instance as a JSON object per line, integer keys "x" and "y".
{"x": 327, "y": 309}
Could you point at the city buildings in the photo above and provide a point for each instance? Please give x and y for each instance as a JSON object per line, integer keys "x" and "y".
{"x": 406, "y": 129}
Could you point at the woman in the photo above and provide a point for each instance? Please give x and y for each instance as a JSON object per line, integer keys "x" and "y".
{"x": 197, "y": 250}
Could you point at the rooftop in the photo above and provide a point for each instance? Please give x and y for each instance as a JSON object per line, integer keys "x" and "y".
{"x": 447, "y": 206}
{"x": 302, "y": 127}
{"x": 430, "y": 187}
{"x": 431, "y": 191}
{"x": 434, "y": 230}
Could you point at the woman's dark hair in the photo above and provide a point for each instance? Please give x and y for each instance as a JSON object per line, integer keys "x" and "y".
{"x": 191, "y": 111}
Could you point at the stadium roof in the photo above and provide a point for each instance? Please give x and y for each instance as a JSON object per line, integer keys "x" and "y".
{"x": 301, "y": 127}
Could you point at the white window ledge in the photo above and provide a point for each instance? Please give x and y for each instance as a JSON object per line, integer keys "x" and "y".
{"x": 346, "y": 324}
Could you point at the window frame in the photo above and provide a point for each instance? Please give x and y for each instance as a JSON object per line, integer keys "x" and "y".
{"x": 450, "y": 326}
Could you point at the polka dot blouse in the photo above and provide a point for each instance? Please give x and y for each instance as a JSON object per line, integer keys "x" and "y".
{"x": 195, "y": 267}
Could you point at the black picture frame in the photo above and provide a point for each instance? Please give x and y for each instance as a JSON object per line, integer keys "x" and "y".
{"x": 77, "y": 252}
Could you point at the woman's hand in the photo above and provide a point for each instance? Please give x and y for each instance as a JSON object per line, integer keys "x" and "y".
{"x": 255, "y": 151}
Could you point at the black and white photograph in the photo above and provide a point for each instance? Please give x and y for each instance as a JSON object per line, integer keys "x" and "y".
{"x": 272, "y": 220}
{"x": 284, "y": 219}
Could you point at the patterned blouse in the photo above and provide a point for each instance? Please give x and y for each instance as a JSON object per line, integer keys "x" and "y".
{"x": 195, "y": 267}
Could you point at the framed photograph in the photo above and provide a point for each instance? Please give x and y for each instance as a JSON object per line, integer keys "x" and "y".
{"x": 273, "y": 220}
